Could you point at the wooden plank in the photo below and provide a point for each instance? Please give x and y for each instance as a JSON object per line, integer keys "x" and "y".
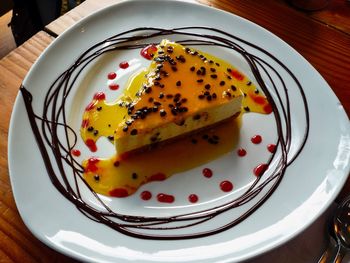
{"x": 7, "y": 42}
{"x": 336, "y": 14}
{"x": 70, "y": 18}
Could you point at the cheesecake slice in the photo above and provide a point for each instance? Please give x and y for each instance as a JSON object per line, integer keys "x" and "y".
{"x": 182, "y": 91}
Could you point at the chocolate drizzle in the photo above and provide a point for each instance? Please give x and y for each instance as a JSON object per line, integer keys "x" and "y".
{"x": 56, "y": 149}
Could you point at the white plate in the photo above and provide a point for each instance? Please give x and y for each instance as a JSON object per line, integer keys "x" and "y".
{"x": 308, "y": 187}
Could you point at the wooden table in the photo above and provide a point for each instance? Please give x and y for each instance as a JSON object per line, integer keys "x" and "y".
{"x": 322, "y": 37}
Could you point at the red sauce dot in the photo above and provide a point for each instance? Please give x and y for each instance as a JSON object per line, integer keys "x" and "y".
{"x": 91, "y": 144}
{"x": 193, "y": 198}
{"x": 256, "y": 139}
{"x": 113, "y": 86}
{"x": 260, "y": 169}
{"x": 148, "y": 52}
{"x": 112, "y": 75}
{"x": 124, "y": 65}
{"x": 119, "y": 192}
{"x": 146, "y": 195}
{"x": 157, "y": 177}
{"x": 271, "y": 148}
{"x": 267, "y": 108}
{"x": 236, "y": 74}
{"x": 76, "y": 152}
{"x": 226, "y": 186}
{"x": 99, "y": 96}
{"x": 93, "y": 160}
{"x": 92, "y": 165}
{"x": 91, "y": 105}
{"x": 85, "y": 123}
{"x": 241, "y": 152}
{"x": 207, "y": 172}
{"x": 165, "y": 198}
{"x": 259, "y": 99}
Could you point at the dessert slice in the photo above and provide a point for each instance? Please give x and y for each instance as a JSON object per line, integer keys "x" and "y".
{"x": 182, "y": 91}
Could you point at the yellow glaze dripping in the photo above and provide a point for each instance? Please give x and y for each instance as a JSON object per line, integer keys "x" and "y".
{"x": 130, "y": 172}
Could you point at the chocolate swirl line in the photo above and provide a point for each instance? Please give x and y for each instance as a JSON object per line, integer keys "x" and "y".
{"x": 56, "y": 149}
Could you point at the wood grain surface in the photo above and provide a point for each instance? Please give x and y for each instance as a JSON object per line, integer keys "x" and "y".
{"x": 322, "y": 37}
{"x": 86, "y": 8}
{"x": 335, "y": 15}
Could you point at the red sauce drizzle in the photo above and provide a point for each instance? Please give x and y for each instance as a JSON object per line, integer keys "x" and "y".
{"x": 91, "y": 165}
{"x": 258, "y": 99}
{"x": 76, "y": 152}
{"x": 90, "y": 106}
{"x": 207, "y": 172}
{"x": 268, "y": 108}
{"x": 226, "y": 186}
{"x": 112, "y": 75}
{"x": 193, "y": 198}
{"x": 148, "y": 52}
{"x": 241, "y": 152}
{"x": 99, "y": 96}
{"x": 85, "y": 123}
{"x": 256, "y": 139}
{"x": 260, "y": 169}
{"x": 236, "y": 74}
{"x": 271, "y": 148}
{"x": 157, "y": 177}
{"x": 165, "y": 198}
{"x": 91, "y": 144}
{"x": 119, "y": 192}
{"x": 146, "y": 195}
{"x": 113, "y": 86}
{"x": 124, "y": 65}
